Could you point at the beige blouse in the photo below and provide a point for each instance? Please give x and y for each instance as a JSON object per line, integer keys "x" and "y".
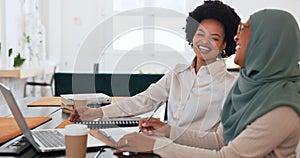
{"x": 274, "y": 135}
{"x": 194, "y": 100}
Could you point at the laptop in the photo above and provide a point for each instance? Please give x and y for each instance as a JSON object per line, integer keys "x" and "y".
{"x": 43, "y": 140}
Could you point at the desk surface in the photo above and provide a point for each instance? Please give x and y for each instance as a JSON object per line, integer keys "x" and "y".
{"x": 57, "y": 118}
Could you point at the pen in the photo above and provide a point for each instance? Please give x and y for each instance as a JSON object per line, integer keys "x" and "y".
{"x": 62, "y": 108}
{"x": 73, "y": 106}
{"x": 152, "y": 114}
{"x": 54, "y": 111}
{"x": 99, "y": 152}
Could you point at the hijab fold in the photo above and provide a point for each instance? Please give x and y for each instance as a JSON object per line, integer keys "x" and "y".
{"x": 271, "y": 77}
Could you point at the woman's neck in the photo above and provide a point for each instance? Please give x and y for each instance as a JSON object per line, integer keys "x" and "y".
{"x": 200, "y": 62}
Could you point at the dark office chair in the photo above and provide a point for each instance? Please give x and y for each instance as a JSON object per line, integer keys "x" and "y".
{"x": 42, "y": 84}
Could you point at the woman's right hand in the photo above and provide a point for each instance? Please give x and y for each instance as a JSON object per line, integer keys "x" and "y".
{"x": 84, "y": 113}
{"x": 154, "y": 127}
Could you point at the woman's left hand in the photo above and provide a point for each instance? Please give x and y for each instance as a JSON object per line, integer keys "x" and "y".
{"x": 135, "y": 142}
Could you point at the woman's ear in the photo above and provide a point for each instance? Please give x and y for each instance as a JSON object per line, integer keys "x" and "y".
{"x": 224, "y": 45}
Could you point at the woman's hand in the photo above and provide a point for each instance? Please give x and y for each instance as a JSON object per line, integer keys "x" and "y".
{"x": 154, "y": 127}
{"x": 135, "y": 142}
{"x": 84, "y": 113}
{"x": 74, "y": 117}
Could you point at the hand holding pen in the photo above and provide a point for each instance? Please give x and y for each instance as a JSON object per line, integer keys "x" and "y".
{"x": 153, "y": 126}
{"x": 150, "y": 117}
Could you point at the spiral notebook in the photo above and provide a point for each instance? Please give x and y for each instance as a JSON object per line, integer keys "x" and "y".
{"x": 112, "y": 123}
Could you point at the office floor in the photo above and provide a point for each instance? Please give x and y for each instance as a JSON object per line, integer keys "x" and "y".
{"x": 38, "y": 91}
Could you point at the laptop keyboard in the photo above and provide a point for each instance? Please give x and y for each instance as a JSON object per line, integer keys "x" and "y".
{"x": 50, "y": 138}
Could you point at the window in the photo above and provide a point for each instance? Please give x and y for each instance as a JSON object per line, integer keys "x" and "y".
{"x": 147, "y": 35}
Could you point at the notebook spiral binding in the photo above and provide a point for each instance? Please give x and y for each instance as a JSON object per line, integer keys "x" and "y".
{"x": 111, "y": 123}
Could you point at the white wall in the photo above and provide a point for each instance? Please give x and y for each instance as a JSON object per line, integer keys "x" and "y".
{"x": 81, "y": 17}
{"x": 51, "y": 12}
{"x": 246, "y": 8}
{"x": 11, "y": 29}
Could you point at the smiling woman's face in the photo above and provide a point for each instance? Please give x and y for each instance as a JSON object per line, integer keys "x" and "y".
{"x": 242, "y": 38}
{"x": 208, "y": 40}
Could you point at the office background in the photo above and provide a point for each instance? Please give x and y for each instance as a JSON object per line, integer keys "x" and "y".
{"x": 120, "y": 35}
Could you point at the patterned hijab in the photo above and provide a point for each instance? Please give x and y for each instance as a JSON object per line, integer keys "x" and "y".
{"x": 271, "y": 77}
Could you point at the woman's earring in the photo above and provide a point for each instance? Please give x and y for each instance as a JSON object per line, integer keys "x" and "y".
{"x": 223, "y": 52}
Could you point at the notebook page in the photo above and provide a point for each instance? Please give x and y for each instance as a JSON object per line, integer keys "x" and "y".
{"x": 117, "y": 133}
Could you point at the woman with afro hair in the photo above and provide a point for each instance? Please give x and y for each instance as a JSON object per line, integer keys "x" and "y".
{"x": 195, "y": 93}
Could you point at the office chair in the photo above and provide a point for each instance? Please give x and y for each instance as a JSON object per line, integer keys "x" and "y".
{"x": 42, "y": 84}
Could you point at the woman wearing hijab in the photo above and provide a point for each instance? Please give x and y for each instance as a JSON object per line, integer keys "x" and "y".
{"x": 260, "y": 117}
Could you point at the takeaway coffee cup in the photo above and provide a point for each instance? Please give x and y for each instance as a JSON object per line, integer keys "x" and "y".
{"x": 76, "y": 140}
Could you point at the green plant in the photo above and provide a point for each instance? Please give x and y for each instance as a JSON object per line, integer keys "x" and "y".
{"x": 18, "y": 60}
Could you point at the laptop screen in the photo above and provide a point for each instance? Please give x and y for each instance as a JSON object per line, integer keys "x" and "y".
{"x": 8, "y": 96}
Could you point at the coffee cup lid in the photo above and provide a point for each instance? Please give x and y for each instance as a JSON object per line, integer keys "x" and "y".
{"x": 76, "y": 129}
